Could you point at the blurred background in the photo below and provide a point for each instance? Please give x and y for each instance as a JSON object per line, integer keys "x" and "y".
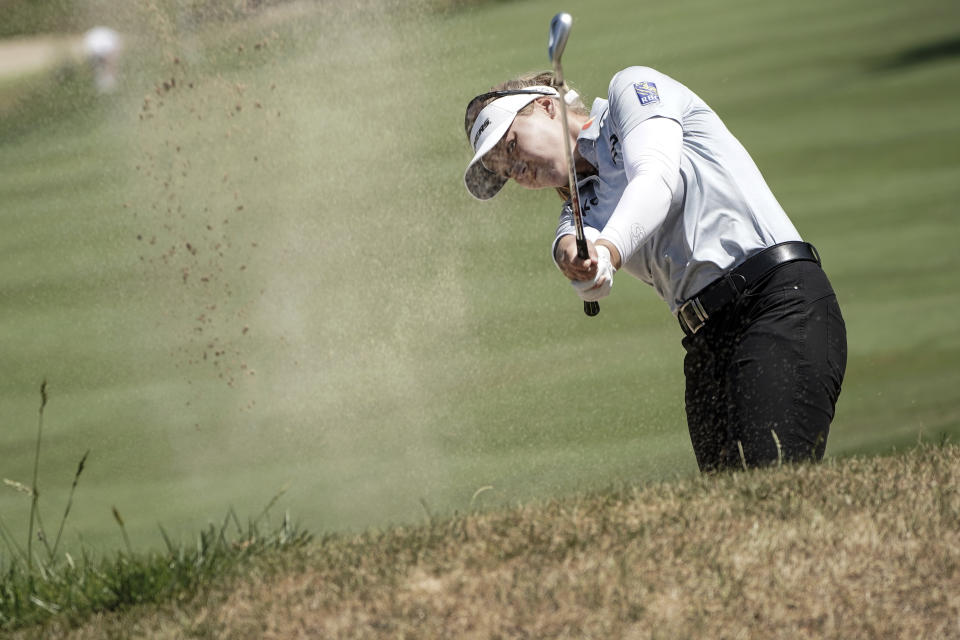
{"x": 235, "y": 242}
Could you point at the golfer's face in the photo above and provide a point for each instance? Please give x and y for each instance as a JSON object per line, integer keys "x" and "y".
{"x": 531, "y": 152}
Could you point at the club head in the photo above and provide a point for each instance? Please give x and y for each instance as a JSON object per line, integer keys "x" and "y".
{"x": 559, "y": 32}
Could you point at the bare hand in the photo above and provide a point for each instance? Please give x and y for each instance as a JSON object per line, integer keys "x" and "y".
{"x": 571, "y": 266}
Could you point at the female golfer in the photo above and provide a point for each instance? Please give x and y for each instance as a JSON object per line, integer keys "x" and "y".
{"x": 672, "y": 198}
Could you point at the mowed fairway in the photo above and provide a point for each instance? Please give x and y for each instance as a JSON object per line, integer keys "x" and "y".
{"x": 255, "y": 267}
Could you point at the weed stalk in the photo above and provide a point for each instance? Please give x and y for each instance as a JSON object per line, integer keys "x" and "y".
{"x": 66, "y": 511}
{"x": 123, "y": 530}
{"x": 36, "y": 466}
{"x": 776, "y": 440}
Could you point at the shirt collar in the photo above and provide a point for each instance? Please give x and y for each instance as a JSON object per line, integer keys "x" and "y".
{"x": 587, "y": 140}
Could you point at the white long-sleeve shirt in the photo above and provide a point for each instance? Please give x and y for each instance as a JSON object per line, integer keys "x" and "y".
{"x": 675, "y": 192}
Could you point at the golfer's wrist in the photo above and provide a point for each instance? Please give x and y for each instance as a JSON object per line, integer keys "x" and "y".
{"x": 560, "y": 246}
{"x": 614, "y": 252}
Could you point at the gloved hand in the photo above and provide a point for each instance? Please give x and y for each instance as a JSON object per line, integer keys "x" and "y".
{"x": 599, "y": 287}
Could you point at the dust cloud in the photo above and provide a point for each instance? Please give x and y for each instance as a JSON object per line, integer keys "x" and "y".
{"x": 308, "y": 301}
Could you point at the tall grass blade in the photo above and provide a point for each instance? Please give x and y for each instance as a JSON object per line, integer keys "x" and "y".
{"x": 66, "y": 511}
{"x": 426, "y": 509}
{"x": 776, "y": 440}
{"x": 11, "y": 542}
{"x": 46, "y": 606}
{"x": 270, "y": 504}
{"x": 236, "y": 521}
{"x": 42, "y": 532}
{"x": 171, "y": 548}
{"x": 123, "y": 530}
{"x": 221, "y": 536}
{"x": 36, "y": 468}
{"x": 476, "y": 494}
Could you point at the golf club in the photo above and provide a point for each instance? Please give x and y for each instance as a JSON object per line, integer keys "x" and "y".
{"x": 559, "y": 33}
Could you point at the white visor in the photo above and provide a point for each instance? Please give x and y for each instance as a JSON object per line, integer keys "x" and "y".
{"x": 491, "y": 125}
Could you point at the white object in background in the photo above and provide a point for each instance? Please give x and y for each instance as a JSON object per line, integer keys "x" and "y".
{"x": 101, "y": 47}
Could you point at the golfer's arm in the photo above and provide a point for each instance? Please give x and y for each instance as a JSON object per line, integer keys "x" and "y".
{"x": 651, "y": 158}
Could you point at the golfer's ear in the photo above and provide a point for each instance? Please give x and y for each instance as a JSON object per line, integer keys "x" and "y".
{"x": 549, "y": 105}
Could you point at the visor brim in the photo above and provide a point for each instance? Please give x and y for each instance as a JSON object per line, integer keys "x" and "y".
{"x": 482, "y": 183}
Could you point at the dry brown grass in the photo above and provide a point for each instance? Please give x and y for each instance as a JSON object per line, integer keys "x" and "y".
{"x": 858, "y": 548}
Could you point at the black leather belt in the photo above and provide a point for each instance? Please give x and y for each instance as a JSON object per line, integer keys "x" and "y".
{"x": 695, "y": 312}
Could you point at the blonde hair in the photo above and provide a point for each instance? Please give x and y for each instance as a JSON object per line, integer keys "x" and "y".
{"x": 531, "y": 79}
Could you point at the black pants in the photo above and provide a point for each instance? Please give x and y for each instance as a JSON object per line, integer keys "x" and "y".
{"x": 764, "y": 374}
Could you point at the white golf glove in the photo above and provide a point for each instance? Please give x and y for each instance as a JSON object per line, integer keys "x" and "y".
{"x": 599, "y": 287}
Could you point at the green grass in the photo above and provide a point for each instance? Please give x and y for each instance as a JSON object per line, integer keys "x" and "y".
{"x": 71, "y": 590}
{"x": 353, "y": 325}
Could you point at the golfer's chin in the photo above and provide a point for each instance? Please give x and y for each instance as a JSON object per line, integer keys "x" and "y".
{"x": 543, "y": 180}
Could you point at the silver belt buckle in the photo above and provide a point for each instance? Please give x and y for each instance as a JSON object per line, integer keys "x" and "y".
{"x": 693, "y": 314}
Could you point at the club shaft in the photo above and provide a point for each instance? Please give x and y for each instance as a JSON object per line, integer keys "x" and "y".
{"x": 589, "y": 308}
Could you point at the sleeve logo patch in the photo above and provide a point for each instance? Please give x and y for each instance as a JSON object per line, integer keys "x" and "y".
{"x": 647, "y": 92}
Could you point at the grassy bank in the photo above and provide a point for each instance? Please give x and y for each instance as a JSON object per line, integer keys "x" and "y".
{"x": 860, "y": 548}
